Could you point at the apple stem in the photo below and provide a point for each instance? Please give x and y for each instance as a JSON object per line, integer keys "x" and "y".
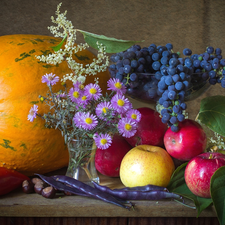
{"x": 210, "y": 156}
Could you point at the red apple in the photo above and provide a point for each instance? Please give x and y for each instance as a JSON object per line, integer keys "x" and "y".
{"x": 108, "y": 161}
{"x": 150, "y": 129}
{"x": 188, "y": 142}
{"x": 199, "y": 171}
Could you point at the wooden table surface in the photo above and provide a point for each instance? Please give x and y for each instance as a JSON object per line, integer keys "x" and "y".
{"x": 17, "y": 208}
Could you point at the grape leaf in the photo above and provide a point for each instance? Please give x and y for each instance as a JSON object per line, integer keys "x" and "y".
{"x": 178, "y": 185}
{"x": 217, "y": 188}
{"x": 57, "y": 47}
{"x": 212, "y": 113}
{"x": 112, "y": 45}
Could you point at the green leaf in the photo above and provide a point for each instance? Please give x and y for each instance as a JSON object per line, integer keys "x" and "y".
{"x": 217, "y": 188}
{"x": 56, "y": 48}
{"x": 178, "y": 185}
{"x": 112, "y": 45}
{"x": 212, "y": 113}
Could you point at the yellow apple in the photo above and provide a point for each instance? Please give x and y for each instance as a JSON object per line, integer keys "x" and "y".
{"x": 146, "y": 164}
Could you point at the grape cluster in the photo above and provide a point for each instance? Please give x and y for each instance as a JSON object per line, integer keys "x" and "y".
{"x": 159, "y": 74}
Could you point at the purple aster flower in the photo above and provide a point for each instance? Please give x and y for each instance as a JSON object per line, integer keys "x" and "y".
{"x": 103, "y": 109}
{"x": 50, "y": 79}
{"x": 127, "y": 127}
{"x": 77, "y": 119}
{"x": 89, "y": 121}
{"x": 114, "y": 84}
{"x": 32, "y": 113}
{"x": 102, "y": 141}
{"x": 84, "y": 99}
{"x": 93, "y": 90}
{"x": 134, "y": 114}
{"x": 74, "y": 94}
{"x": 120, "y": 103}
{"x": 78, "y": 85}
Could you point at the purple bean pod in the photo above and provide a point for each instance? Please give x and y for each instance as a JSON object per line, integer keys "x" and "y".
{"x": 130, "y": 194}
{"x": 149, "y": 187}
{"x": 91, "y": 191}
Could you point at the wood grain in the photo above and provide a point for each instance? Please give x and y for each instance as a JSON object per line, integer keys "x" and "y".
{"x": 18, "y": 204}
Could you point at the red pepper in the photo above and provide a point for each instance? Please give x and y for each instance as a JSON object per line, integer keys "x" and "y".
{"x": 10, "y": 180}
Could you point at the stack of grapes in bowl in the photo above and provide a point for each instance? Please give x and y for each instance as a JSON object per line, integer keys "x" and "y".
{"x": 157, "y": 74}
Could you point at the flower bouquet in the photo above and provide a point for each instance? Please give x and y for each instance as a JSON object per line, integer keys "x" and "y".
{"x": 87, "y": 118}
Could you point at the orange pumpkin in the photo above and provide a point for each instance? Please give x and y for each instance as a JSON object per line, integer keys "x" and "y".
{"x": 25, "y": 146}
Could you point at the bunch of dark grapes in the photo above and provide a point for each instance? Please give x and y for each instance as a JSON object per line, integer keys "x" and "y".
{"x": 157, "y": 73}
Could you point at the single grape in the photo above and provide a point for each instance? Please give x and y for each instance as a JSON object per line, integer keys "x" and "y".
{"x": 165, "y": 95}
{"x": 119, "y": 64}
{"x": 179, "y": 85}
{"x": 218, "y": 51}
{"x": 166, "y": 116}
{"x": 176, "y": 78}
{"x": 205, "y": 56}
{"x": 182, "y": 76}
{"x": 142, "y": 60}
{"x": 188, "y": 62}
{"x": 156, "y": 65}
{"x": 171, "y": 87}
{"x": 133, "y": 77}
{"x": 140, "y": 68}
{"x": 126, "y": 62}
{"x": 164, "y": 60}
{"x": 134, "y": 63}
{"x": 171, "y": 70}
{"x": 169, "y": 80}
{"x": 127, "y": 69}
{"x": 173, "y": 119}
{"x": 121, "y": 70}
{"x": 180, "y": 68}
{"x": 212, "y": 74}
{"x": 210, "y": 50}
{"x": 166, "y": 53}
{"x": 176, "y": 108}
{"x": 187, "y": 51}
{"x": 169, "y": 46}
{"x": 212, "y": 81}
{"x": 186, "y": 84}
{"x": 166, "y": 104}
{"x": 215, "y": 65}
{"x": 155, "y": 56}
{"x": 158, "y": 75}
{"x": 161, "y": 100}
{"x": 173, "y": 62}
{"x": 129, "y": 55}
{"x": 174, "y": 128}
{"x": 208, "y": 66}
{"x": 180, "y": 117}
{"x": 172, "y": 95}
{"x": 181, "y": 95}
{"x": 162, "y": 85}
{"x": 183, "y": 105}
{"x": 196, "y": 63}
{"x": 161, "y": 49}
{"x": 119, "y": 76}
{"x": 163, "y": 70}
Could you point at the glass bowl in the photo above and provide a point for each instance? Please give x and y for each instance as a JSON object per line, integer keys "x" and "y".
{"x": 196, "y": 89}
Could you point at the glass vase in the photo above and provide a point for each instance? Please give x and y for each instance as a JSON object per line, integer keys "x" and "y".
{"x": 82, "y": 160}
